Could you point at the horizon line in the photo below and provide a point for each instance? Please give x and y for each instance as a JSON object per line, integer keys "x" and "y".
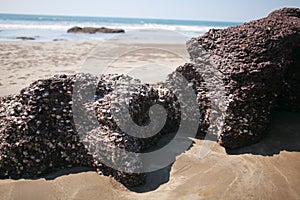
{"x": 71, "y": 15}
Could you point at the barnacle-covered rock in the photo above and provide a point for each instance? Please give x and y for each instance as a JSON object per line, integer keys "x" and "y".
{"x": 258, "y": 62}
{"x": 185, "y": 78}
{"x": 38, "y": 133}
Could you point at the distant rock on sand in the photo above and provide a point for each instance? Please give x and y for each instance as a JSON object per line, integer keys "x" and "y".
{"x": 92, "y": 30}
{"x": 260, "y": 64}
{"x": 25, "y": 38}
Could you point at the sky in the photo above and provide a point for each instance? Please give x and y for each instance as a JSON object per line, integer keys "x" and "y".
{"x": 212, "y": 10}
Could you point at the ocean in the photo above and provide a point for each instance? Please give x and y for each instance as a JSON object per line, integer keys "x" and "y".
{"x": 48, "y": 28}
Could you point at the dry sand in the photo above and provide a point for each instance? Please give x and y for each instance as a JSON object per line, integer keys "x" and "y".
{"x": 267, "y": 170}
{"x": 21, "y": 63}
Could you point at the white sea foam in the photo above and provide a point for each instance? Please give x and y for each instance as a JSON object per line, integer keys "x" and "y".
{"x": 48, "y": 28}
{"x": 65, "y": 26}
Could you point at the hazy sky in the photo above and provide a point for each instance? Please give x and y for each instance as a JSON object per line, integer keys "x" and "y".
{"x": 215, "y": 10}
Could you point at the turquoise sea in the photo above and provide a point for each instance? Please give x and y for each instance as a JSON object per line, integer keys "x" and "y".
{"x": 48, "y": 28}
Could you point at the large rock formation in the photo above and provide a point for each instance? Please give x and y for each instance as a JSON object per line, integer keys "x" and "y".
{"x": 38, "y": 133}
{"x": 259, "y": 64}
{"x": 92, "y": 30}
{"x": 70, "y": 121}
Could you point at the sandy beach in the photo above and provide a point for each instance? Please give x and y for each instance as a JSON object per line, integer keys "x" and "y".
{"x": 25, "y": 62}
{"x": 267, "y": 170}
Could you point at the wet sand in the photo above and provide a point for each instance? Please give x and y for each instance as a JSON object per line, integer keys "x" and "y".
{"x": 267, "y": 170}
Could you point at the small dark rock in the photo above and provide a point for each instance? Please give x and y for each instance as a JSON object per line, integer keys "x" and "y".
{"x": 25, "y": 38}
{"x": 58, "y": 40}
{"x": 92, "y": 30}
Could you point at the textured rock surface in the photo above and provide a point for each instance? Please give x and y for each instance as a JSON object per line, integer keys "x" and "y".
{"x": 78, "y": 120}
{"x": 38, "y": 134}
{"x": 92, "y": 30}
{"x": 74, "y": 120}
{"x": 190, "y": 73}
{"x": 258, "y": 61}
{"x": 37, "y": 131}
